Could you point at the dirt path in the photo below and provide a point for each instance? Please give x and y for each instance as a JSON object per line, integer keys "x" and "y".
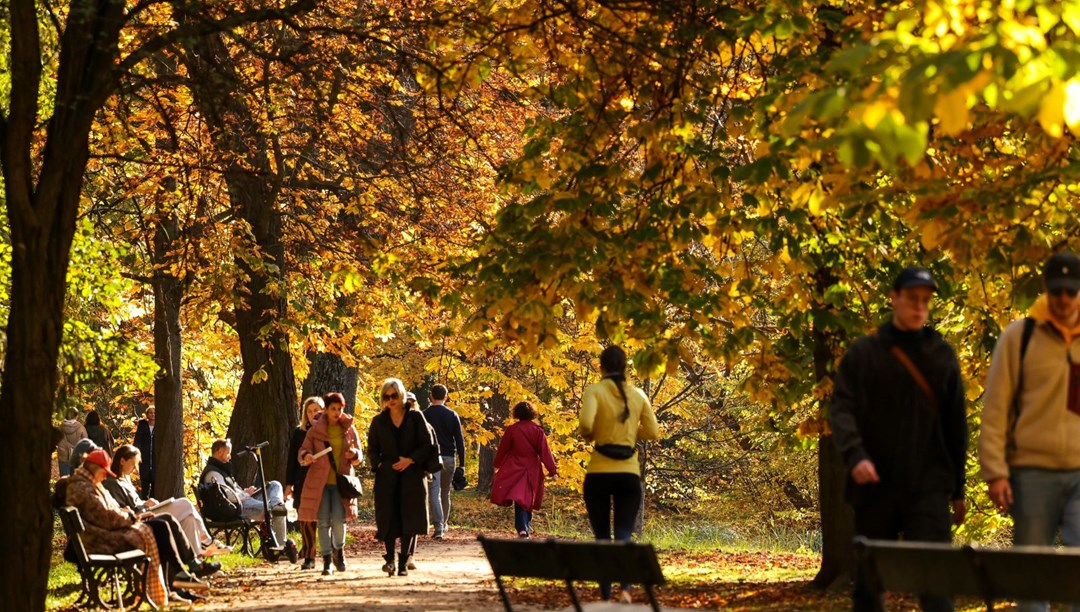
{"x": 452, "y": 574}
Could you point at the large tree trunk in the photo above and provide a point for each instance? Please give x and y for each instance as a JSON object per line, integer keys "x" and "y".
{"x": 168, "y": 398}
{"x": 41, "y": 193}
{"x": 266, "y": 401}
{"x": 329, "y": 373}
{"x": 837, "y": 518}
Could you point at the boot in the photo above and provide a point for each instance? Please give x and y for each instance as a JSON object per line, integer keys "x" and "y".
{"x": 388, "y": 567}
{"x": 339, "y": 559}
{"x": 308, "y": 564}
{"x": 326, "y": 567}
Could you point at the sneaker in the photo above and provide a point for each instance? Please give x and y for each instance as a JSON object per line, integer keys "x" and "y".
{"x": 216, "y": 548}
{"x": 176, "y": 596}
{"x": 523, "y": 534}
{"x": 437, "y": 536}
{"x": 308, "y": 564}
{"x": 188, "y": 596}
{"x": 205, "y": 568}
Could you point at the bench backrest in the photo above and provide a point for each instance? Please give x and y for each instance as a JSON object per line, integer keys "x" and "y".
{"x": 574, "y": 560}
{"x": 1021, "y": 572}
{"x": 73, "y": 527}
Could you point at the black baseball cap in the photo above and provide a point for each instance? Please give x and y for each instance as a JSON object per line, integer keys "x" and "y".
{"x": 1062, "y": 271}
{"x": 914, "y": 277}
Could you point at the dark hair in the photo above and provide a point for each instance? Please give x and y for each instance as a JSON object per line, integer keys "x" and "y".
{"x": 438, "y": 392}
{"x": 122, "y": 452}
{"x": 613, "y": 365}
{"x": 92, "y": 418}
{"x": 333, "y": 398}
{"x": 524, "y": 411}
{"x": 218, "y": 445}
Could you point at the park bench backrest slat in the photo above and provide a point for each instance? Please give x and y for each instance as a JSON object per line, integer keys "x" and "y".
{"x": 615, "y": 561}
{"x": 523, "y": 559}
{"x": 1032, "y": 573}
{"x": 73, "y": 526}
{"x": 936, "y": 569}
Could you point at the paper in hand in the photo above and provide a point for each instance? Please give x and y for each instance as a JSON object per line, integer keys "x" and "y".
{"x": 321, "y": 453}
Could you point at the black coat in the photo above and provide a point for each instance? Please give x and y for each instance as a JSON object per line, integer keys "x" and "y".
{"x": 409, "y": 516}
{"x": 294, "y": 472}
{"x": 878, "y": 412}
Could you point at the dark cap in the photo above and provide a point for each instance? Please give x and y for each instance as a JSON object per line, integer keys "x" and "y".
{"x": 1062, "y": 271}
{"x": 914, "y": 277}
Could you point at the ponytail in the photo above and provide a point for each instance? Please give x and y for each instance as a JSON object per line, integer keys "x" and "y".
{"x": 613, "y": 364}
{"x": 619, "y": 380}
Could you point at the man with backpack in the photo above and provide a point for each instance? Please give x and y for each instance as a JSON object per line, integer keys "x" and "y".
{"x": 219, "y": 471}
{"x": 1029, "y": 446}
{"x": 898, "y": 421}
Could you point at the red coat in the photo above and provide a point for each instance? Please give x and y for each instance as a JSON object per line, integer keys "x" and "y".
{"x": 519, "y": 476}
{"x": 317, "y": 439}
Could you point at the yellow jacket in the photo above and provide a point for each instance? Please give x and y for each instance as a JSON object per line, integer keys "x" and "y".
{"x": 1047, "y": 434}
{"x": 598, "y": 422}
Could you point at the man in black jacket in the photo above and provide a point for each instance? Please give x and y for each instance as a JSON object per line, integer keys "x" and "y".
{"x": 899, "y": 422}
{"x": 144, "y": 441}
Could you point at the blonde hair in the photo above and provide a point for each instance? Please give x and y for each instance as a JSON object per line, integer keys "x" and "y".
{"x": 397, "y": 385}
{"x": 314, "y": 399}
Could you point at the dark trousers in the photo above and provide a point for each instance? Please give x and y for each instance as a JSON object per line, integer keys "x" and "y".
{"x": 603, "y": 493}
{"x": 173, "y": 546}
{"x": 408, "y": 547}
{"x": 522, "y": 519}
{"x": 912, "y": 517}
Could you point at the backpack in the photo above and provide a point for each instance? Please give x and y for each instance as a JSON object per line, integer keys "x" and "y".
{"x": 219, "y": 502}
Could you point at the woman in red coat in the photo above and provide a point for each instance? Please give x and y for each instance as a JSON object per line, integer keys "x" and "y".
{"x": 320, "y": 500}
{"x": 519, "y": 462}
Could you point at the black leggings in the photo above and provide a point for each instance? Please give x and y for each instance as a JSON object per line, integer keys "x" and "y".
{"x": 601, "y": 492}
{"x": 408, "y": 547}
{"x": 173, "y": 546}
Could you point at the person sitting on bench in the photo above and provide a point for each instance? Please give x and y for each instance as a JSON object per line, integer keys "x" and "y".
{"x": 219, "y": 469}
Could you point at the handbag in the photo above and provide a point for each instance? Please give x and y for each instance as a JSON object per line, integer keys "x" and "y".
{"x": 349, "y": 487}
{"x": 615, "y": 451}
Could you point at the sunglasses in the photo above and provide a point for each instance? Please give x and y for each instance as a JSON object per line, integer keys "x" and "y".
{"x": 390, "y": 396}
{"x": 1063, "y": 291}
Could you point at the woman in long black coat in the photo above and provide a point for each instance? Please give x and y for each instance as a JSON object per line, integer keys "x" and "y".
{"x": 399, "y": 441}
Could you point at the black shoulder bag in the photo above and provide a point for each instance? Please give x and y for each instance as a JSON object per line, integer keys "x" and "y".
{"x": 348, "y": 487}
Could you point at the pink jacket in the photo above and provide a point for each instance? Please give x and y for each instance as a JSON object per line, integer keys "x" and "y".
{"x": 519, "y": 476}
{"x": 316, "y": 440}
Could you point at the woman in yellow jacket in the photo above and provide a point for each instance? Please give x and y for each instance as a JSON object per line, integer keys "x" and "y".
{"x": 614, "y": 416}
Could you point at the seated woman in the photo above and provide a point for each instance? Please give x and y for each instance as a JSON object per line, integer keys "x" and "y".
{"x": 125, "y": 460}
{"x": 110, "y": 530}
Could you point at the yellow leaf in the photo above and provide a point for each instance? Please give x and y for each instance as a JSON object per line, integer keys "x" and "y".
{"x": 1072, "y": 105}
{"x": 931, "y": 235}
{"x": 1052, "y": 110}
{"x": 951, "y": 109}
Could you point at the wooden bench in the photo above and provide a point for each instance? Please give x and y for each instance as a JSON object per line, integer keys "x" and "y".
{"x": 569, "y": 561}
{"x": 108, "y": 581}
{"x": 241, "y": 531}
{"x": 1039, "y": 573}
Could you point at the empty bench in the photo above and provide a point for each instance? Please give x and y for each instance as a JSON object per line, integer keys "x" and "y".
{"x": 1020, "y": 572}
{"x": 570, "y": 561}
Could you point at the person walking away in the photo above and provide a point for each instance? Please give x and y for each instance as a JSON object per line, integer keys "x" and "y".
{"x": 99, "y": 433}
{"x": 295, "y": 474}
{"x": 899, "y": 422}
{"x": 398, "y": 444}
{"x": 71, "y": 431}
{"x": 1029, "y": 442}
{"x": 519, "y": 468}
{"x": 144, "y": 441}
{"x": 614, "y": 415}
{"x": 321, "y": 499}
{"x": 447, "y": 427}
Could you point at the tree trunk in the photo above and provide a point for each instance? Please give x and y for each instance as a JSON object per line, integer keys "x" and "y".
{"x": 329, "y": 373}
{"x": 168, "y": 459}
{"x": 41, "y": 193}
{"x": 266, "y": 404}
{"x": 837, "y": 518}
{"x": 498, "y": 409}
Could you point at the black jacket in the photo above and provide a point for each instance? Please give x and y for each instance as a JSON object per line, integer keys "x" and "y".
{"x": 878, "y": 412}
{"x": 294, "y": 472}
{"x": 401, "y": 503}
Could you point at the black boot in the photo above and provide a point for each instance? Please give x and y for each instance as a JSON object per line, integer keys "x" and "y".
{"x": 339, "y": 559}
{"x": 388, "y": 567}
{"x": 326, "y": 567}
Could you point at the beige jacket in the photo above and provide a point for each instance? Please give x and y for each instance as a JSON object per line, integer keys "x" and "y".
{"x": 1047, "y": 434}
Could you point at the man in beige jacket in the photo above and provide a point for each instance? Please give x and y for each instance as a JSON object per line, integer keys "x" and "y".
{"x": 1029, "y": 447}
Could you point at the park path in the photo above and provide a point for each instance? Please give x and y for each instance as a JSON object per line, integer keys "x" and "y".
{"x": 452, "y": 574}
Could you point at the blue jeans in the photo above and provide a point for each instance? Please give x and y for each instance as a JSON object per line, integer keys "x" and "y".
{"x": 602, "y": 493}
{"x": 439, "y": 495}
{"x": 253, "y": 509}
{"x": 1045, "y": 501}
{"x": 65, "y": 468}
{"x": 522, "y": 519}
{"x": 331, "y": 521}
